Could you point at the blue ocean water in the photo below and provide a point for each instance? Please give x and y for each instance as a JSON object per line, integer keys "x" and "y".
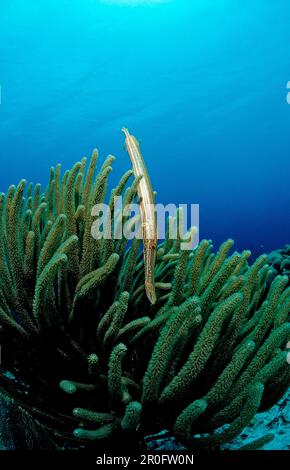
{"x": 202, "y": 84}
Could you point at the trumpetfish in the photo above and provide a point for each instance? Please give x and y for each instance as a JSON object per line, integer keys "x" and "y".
{"x": 147, "y": 211}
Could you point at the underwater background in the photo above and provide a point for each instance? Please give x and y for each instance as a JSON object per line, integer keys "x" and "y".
{"x": 202, "y": 84}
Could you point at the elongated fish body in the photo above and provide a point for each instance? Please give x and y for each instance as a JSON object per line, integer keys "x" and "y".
{"x": 147, "y": 210}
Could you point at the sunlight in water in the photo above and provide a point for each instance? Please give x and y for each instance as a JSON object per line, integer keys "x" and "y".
{"x": 134, "y": 2}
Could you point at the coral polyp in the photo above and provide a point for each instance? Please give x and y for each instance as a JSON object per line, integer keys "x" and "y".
{"x": 87, "y": 355}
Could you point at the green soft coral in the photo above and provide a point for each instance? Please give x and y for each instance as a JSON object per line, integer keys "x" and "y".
{"x": 73, "y": 311}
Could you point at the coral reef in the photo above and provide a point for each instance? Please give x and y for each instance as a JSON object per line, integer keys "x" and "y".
{"x": 19, "y": 430}
{"x": 275, "y": 421}
{"x": 87, "y": 352}
{"x": 268, "y": 430}
{"x": 279, "y": 260}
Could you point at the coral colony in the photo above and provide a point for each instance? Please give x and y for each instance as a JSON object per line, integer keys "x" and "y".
{"x": 90, "y": 359}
